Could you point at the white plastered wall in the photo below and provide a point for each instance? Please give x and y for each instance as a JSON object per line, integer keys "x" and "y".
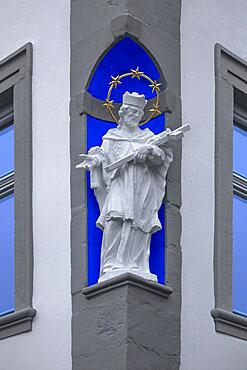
{"x": 45, "y": 24}
{"x": 204, "y": 23}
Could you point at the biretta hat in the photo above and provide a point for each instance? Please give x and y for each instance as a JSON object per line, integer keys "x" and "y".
{"x": 134, "y": 99}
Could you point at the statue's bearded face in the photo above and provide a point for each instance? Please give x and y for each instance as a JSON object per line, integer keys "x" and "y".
{"x": 130, "y": 115}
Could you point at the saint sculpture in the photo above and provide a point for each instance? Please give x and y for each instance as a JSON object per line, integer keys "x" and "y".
{"x": 128, "y": 176}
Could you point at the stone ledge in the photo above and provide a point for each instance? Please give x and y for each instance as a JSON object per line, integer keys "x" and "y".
{"x": 127, "y": 279}
{"x": 16, "y": 322}
{"x": 230, "y": 323}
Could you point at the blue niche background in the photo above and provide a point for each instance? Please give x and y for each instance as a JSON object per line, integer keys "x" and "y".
{"x": 122, "y": 57}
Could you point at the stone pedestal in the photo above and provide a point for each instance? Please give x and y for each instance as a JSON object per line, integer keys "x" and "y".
{"x": 126, "y": 323}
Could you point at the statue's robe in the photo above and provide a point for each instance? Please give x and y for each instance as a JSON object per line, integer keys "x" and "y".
{"x": 129, "y": 199}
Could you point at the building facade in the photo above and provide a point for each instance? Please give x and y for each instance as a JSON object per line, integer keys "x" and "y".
{"x": 56, "y": 59}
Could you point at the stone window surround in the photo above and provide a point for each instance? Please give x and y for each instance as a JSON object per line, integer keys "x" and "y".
{"x": 16, "y": 74}
{"x": 230, "y": 74}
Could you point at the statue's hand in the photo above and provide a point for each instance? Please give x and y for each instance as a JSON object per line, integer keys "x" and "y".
{"x": 89, "y": 162}
{"x": 142, "y": 153}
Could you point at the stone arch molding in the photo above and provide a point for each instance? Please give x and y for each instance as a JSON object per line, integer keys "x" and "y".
{"x": 125, "y": 26}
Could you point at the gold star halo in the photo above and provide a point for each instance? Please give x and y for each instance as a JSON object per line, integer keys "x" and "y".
{"x": 155, "y": 86}
{"x": 134, "y": 73}
{"x": 115, "y": 81}
{"x": 155, "y": 110}
{"x": 108, "y": 104}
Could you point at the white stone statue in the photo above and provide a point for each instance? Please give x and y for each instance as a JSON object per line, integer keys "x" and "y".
{"x": 128, "y": 176}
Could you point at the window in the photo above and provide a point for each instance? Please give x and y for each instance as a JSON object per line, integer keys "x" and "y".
{"x": 230, "y": 250}
{"x": 16, "y": 263}
{"x": 6, "y": 205}
{"x": 239, "y": 297}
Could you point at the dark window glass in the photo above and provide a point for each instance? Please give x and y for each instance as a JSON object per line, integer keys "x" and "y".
{"x": 240, "y": 151}
{"x": 6, "y": 150}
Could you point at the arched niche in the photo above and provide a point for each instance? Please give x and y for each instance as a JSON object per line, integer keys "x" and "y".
{"x": 124, "y": 55}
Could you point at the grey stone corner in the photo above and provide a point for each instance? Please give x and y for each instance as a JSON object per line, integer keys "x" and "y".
{"x": 19, "y": 61}
{"x": 127, "y": 279}
{"x": 230, "y": 323}
{"x": 26, "y": 49}
{"x": 226, "y": 61}
{"x": 17, "y": 322}
{"x": 126, "y": 23}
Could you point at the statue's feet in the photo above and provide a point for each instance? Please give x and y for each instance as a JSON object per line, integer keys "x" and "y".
{"x": 120, "y": 271}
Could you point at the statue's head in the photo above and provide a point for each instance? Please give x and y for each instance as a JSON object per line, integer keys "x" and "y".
{"x": 132, "y": 109}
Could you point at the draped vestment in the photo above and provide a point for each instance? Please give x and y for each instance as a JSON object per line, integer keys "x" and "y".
{"x": 129, "y": 199}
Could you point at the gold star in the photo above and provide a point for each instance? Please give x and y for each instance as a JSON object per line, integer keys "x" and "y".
{"x": 155, "y": 86}
{"x": 115, "y": 81}
{"x": 108, "y": 104}
{"x": 136, "y": 73}
{"x": 155, "y": 110}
